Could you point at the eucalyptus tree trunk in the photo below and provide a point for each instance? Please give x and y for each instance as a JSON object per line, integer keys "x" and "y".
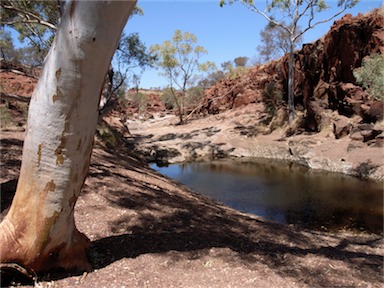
{"x": 291, "y": 83}
{"x": 39, "y": 230}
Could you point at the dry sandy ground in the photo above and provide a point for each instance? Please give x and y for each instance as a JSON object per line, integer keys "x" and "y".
{"x": 149, "y": 231}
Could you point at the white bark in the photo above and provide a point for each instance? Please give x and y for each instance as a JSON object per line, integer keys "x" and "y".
{"x": 291, "y": 82}
{"x": 59, "y": 138}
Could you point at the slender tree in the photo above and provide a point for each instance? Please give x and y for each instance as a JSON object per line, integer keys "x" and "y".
{"x": 132, "y": 57}
{"x": 179, "y": 60}
{"x": 39, "y": 230}
{"x": 296, "y": 12}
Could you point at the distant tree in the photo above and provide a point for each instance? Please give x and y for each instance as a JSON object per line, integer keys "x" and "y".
{"x": 131, "y": 58}
{"x": 241, "y": 61}
{"x": 179, "y": 59}
{"x": 371, "y": 75}
{"x": 294, "y": 11}
{"x": 193, "y": 97}
{"x": 211, "y": 79}
{"x": 275, "y": 42}
{"x": 235, "y": 67}
{"x": 227, "y": 67}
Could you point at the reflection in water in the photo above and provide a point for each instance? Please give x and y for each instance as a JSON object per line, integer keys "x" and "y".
{"x": 287, "y": 193}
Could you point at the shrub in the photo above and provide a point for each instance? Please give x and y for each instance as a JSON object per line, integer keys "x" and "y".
{"x": 168, "y": 99}
{"x": 371, "y": 74}
{"x": 194, "y": 96}
{"x": 139, "y": 100}
{"x": 272, "y": 98}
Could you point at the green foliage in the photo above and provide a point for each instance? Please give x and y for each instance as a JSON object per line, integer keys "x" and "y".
{"x": 131, "y": 58}
{"x": 27, "y": 55}
{"x": 371, "y": 75}
{"x": 231, "y": 69}
{"x": 168, "y": 98}
{"x": 194, "y": 96}
{"x": 241, "y": 61}
{"x": 272, "y": 98}
{"x": 179, "y": 60}
{"x": 285, "y": 5}
{"x": 35, "y": 21}
{"x": 133, "y": 52}
{"x": 139, "y": 100}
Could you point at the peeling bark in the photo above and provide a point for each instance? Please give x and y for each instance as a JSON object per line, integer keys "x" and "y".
{"x": 39, "y": 230}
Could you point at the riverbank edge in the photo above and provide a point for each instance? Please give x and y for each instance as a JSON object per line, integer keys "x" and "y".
{"x": 293, "y": 154}
{"x": 300, "y": 151}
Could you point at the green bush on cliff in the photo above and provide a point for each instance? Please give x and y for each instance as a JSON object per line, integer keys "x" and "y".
{"x": 272, "y": 98}
{"x": 371, "y": 76}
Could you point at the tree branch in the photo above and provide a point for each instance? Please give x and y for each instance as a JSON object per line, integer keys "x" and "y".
{"x": 6, "y": 96}
{"x": 37, "y": 18}
{"x": 320, "y": 22}
{"x": 36, "y": 35}
{"x": 25, "y": 21}
{"x": 253, "y": 8}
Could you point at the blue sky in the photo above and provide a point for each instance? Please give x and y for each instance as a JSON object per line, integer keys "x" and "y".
{"x": 228, "y": 32}
{"x": 225, "y": 32}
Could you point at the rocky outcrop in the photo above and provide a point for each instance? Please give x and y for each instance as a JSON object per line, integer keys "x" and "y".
{"x": 241, "y": 90}
{"x": 324, "y": 80}
{"x": 142, "y": 102}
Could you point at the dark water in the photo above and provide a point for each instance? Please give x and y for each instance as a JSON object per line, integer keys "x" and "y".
{"x": 287, "y": 193}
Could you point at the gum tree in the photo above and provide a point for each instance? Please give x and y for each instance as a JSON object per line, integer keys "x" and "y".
{"x": 39, "y": 230}
{"x": 289, "y": 14}
{"x": 179, "y": 60}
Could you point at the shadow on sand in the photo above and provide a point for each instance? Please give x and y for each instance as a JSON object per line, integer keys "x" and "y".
{"x": 191, "y": 224}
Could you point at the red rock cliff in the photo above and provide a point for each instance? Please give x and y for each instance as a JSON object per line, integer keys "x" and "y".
{"x": 324, "y": 73}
